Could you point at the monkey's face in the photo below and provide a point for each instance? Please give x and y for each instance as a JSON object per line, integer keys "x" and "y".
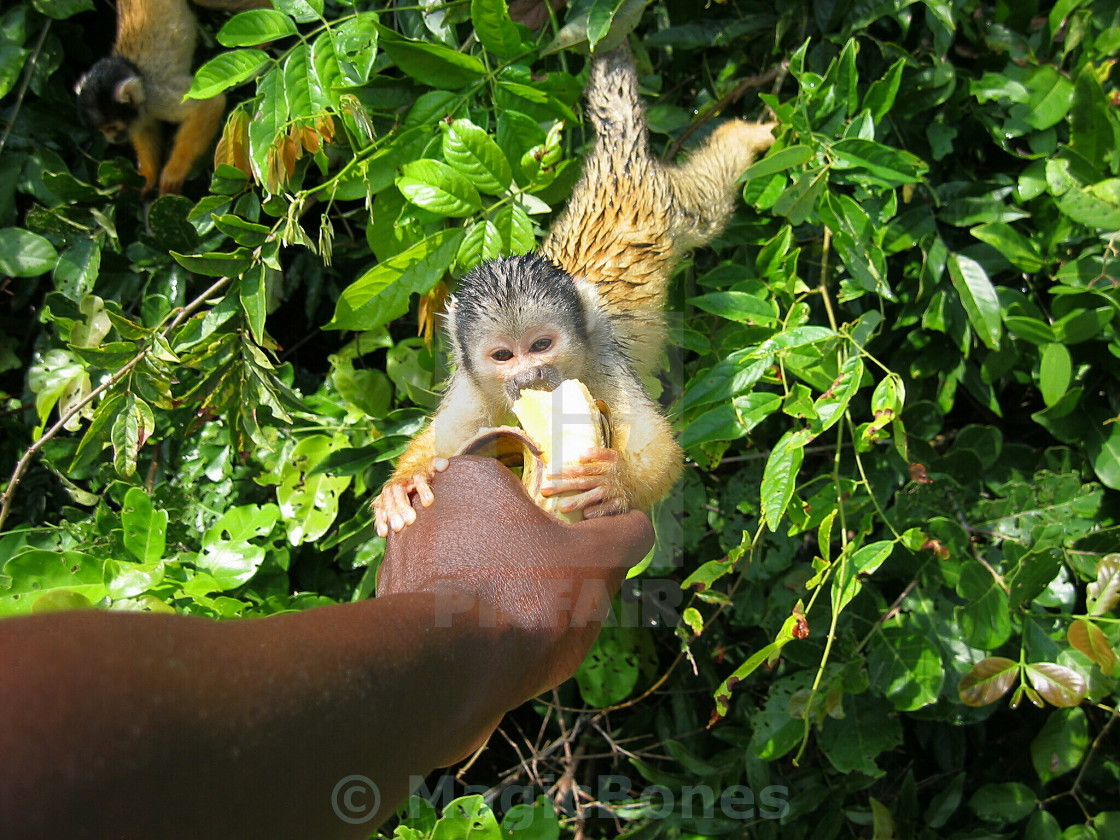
{"x": 540, "y": 358}
{"x": 115, "y": 132}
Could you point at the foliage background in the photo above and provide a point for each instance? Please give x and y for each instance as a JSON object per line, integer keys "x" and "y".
{"x": 895, "y": 375}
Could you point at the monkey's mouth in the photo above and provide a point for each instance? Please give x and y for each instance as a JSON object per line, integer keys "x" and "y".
{"x": 543, "y": 378}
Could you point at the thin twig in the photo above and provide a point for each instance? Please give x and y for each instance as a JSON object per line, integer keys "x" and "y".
{"x": 66, "y": 417}
{"x": 28, "y": 71}
{"x": 760, "y": 80}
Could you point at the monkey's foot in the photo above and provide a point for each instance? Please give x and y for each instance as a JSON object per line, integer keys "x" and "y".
{"x": 595, "y": 484}
{"x": 392, "y": 509}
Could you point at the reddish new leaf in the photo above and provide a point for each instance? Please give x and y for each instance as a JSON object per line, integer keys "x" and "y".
{"x": 1091, "y": 641}
{"x": 988, "y": 680}
{"x": 1058, "y": 685}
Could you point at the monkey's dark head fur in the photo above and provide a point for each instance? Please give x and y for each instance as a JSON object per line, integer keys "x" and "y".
{"x": 511, "y": 295}
{"x": 100, "y": 102}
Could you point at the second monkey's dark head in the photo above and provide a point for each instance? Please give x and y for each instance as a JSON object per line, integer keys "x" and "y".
{"x": 110, "y": 97}
{"x": 517, "y": 323}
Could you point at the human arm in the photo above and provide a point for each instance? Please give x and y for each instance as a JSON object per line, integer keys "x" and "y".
{"x": 153, "y": 726}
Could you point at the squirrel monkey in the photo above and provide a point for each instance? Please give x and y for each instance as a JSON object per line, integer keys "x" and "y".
{"x": 589, "y": 307}
{"x": 141, "y": 83}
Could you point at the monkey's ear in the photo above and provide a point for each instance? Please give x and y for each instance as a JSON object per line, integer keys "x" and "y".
{"x": 81, "y": 84}
{"x": 130, "y": 91}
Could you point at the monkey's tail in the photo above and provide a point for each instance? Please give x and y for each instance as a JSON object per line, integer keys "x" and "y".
{"x": 614, "y": 108}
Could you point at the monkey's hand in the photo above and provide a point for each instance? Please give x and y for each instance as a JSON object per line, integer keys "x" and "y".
{"x": 596, "y": 483}
{"x": 392, "y": 509}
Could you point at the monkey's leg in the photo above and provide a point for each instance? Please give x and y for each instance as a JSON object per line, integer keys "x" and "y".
{"x": 704, "y": 186}
{"x": 392, "y": 509}
{"x": 195, "y": 133}
{"x": 147, "y": 140}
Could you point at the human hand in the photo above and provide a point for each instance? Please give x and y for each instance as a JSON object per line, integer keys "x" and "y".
{"x": 483, "y": 544}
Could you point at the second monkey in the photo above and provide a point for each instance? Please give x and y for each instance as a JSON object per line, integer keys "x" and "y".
{"x": 129, "y": 93}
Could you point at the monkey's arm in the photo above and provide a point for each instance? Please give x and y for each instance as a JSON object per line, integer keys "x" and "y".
{"x": 147, "y": 140}
{"x": 196, "y": 131}
{"x": 392, "y": 509}
{"x": 456, "y": 422}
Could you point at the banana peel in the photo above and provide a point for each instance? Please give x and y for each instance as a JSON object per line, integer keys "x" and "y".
{"x": 557, "y": 427}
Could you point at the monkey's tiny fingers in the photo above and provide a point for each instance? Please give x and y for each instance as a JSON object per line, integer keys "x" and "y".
{"x": 393, "y": 510}
{"x": 592, "y": 471}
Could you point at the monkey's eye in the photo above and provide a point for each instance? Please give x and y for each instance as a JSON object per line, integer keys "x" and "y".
{"x": 540, "y": 345}
{"x": 501, "y": 355}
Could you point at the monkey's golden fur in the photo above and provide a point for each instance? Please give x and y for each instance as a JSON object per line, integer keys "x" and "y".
{"x": 632, "y": 217}
{"x": 626, "y": 226}
{"x": 159, "y": 38}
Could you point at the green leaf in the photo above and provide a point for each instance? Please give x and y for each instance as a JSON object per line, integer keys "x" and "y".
{"x": 224, "y": 71}
{"x": 538, "y": 821}
{"x": 1055, "y": 372}
{"x": 868, "y": 729}
{"x": 779, "y": 162}
{"x": 252, "y": 291}
{"x": 133, "y": 425}
{"x": 846, "y": 584}
{"x": 1060, "y": 745}
{"x": 254, "y": 27}
{"x": 881, "y": 94}
{"x": 25, "y": 254}
{"x": 304, "y": 11}
{"x": 145, "y": 528}
{"x": 742, "y": 307}
{"x": 1102, "y": 445}
{"x": 437, "y": 187}
{"x": 906, "y": 665}
{"x": 246, "y": 234}
{"x": 1004, "y": 802}
{"x": 228, "y": 553}
{"x": 382, "y": 293}
{"x": 978, "y": 297}
{"x": 599, "y": 20}
{"x": 780, "y": 475}
{"x": 1021, "y": 252}
{"x": 1093, "y": 203}
{"x": 984, "y": 620}
{"x": 830, "y": 406}
{"x": 516, "y": 228}
{"x": 482, "y": 242}
{"x": 612, "y": 667}
{"x": 1094, "y": 132}
{"x": 475, "y": 154}
{"x": 886, "y": 166}
{"x": 355, "y": 43}
{"x": 37, "y": 573}
{"x": 308, "y": 502}
{"x": 730, "y": 421}
{"x": 431, "y": 64}
{"x": 495, "y": 29}
{"x": 216, "y": 264}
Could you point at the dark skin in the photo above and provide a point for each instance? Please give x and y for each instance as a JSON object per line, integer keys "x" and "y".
{"x": 162, "y": 726}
